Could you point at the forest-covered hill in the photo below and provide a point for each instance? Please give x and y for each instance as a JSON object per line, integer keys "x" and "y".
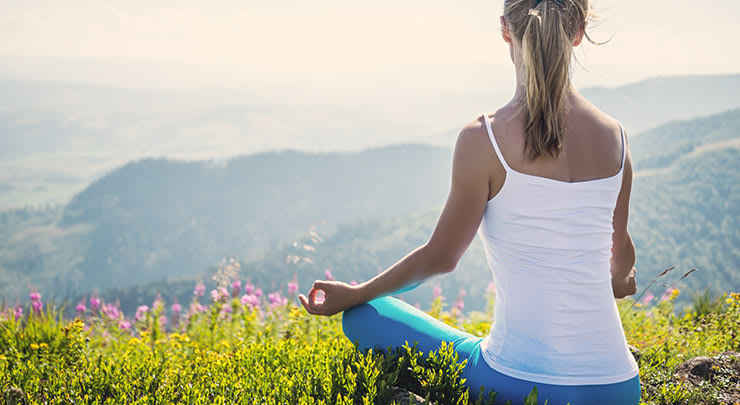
{"x": 156, "y": 219}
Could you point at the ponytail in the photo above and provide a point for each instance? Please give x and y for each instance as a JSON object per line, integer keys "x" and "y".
{"x": 546, "y": 29}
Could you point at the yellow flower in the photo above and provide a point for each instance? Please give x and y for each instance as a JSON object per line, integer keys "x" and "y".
{"x": 44, "y": 346}
{"x": 34, "y": 346}
{"x": 729, "y": 300}
{"x": 675, "y": 293}
{"x": 134, "y": 341}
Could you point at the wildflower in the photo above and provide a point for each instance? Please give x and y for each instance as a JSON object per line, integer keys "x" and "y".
{"x": 276, "y": 300}
{"x": 36, "y": 305}
{"x": 258, "y": 292}
{"x": 124, "y": 324}
{"x": 158, "y": 301}
{"x": 675, "y": 293}
{"x": 34, "y": 346}
{"x": 197, "y": 308}
{"x": 248, "y": 288}
{"x": 35, "y": 296}
{"x": 141, "y": 312}
{"x": 162, "y": 321}
{"x": 491, "y": 289}
{"x": 94, "y": 302}
{"x": 218, "y": 293}
{"x": 417, "y": 306}
{"x": 353, "y": 282}
{"x": 437, "y": 291}
{"x": 176, "y": 308}
{"x": 111, "y": 311}
{"x": 199, "y": 289}
{"x": 250, "y": 300}
{"x": 648, "y": 297}
{"x": 43, "y": 346}
{"x": 328, "y": 275}
{"x": 236, "y": 286}
{"x": 80, "y": 308}
{"x": 18, "y": 312}
{"x": 293, "y": 285}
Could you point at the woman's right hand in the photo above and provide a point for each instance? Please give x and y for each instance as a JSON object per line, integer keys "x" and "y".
{"x": 626, "y": 286}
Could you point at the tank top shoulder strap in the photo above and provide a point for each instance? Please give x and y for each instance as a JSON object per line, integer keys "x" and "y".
{"x": 624, "y": 146}
{"x": 495, "y": 144}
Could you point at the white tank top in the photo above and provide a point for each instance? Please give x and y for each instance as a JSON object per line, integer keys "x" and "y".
{"x": 548, "y": 244}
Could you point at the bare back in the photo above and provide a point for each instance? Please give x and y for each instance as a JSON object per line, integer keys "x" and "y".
{"x": 592, "y": 145}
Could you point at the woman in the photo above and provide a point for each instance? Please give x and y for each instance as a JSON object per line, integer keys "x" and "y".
{"x": 545, "y": 183}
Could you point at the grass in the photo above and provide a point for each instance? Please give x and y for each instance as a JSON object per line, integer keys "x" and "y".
{"x": 251, "y": 348}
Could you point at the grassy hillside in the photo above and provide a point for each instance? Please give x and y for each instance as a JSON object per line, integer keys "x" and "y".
{"x": 249, "y": 347}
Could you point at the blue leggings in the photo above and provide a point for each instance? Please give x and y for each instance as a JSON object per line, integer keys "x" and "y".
{"x": 388, "y": 321}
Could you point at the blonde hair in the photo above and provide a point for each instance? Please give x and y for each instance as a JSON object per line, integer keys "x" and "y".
{"x": 546, "y": 29}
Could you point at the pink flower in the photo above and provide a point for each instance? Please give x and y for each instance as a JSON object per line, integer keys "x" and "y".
{"x": 491, "y": 289}
{"x": 176, "y": 308}
{"x": 417, "y": 306}
{"x": 248, "y": 288}
{"x": 124, "y": 324}
{"x": 219, "y": 293}
{"x": 276, "y": 300}
{"x": 37, "y": 305}
{"x": 141, "y": 312}
{"x": 226, "y": 309}
{"x": 459, "y": 304}
{"x": 250, "y": 300}
{"x": 162, "y": 321}
{"x": 353, "y": 282}
{"x": 236, "y": 286}
{"x": 647, "y": 298}
{"x": 197, "y": 308}
{"x": 199, "y": 289}
{"x": 328, "y": 275}
{"x": 111, "y": 311}
{"x": 258, "y": 292}
{"x": 94, "y": 302}
{"x": 35, "y": 296}
{"x": 80, "y": 308}
{"x": 158, "y": 301}
{"x": 437, "y": 291}
{"x": 18, "y": 312}
{"x": 292, "y": 286}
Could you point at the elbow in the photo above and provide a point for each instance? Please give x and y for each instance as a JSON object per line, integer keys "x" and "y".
{"x": 437, "y": 263}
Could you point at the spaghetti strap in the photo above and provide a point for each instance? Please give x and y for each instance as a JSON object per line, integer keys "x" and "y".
{"x": 495, "y": 144}
{"x": 624, "y": 146}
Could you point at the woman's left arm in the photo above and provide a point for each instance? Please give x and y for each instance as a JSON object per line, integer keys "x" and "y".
{"x": 455, "y": 229}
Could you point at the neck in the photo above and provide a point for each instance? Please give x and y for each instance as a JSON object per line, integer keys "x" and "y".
{"x": 520, "y": 92}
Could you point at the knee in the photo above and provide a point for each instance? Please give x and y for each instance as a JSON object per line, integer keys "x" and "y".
{"x": 355, "y": 319}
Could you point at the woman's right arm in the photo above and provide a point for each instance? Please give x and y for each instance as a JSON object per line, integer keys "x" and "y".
{"x": 623, "y": 250}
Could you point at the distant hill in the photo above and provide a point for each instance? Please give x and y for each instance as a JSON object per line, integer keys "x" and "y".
{"x": 652, "y": 102}
{"x": 157, "y": 220}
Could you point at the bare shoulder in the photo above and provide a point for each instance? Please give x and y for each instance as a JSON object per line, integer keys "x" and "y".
{"x": 473, "y": 138}
{"x": 598, "y": 120}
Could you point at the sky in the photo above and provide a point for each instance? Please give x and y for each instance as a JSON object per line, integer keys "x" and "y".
{"x": 341, "y": 50}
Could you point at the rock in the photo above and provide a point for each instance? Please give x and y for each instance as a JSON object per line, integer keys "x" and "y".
{"x": 403, "y": 397}
{"x": 14, "y": 396}
{"x": 703, "y": 370}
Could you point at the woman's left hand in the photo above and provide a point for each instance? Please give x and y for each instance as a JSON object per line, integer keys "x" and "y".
{"x": 338, "y": 296}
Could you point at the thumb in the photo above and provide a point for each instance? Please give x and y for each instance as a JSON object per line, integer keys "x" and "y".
{"x": 321, "y": 284}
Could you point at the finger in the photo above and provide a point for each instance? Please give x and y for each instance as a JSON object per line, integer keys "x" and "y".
{"x": 321, "y": 284}
{"x": 306, "y": 306}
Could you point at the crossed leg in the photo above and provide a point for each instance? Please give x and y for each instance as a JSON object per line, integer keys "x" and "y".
{"x": 388, "y": 321}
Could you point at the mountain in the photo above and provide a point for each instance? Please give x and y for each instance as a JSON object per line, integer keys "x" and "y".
{"x": 646, "y": 104}
{"x": 162, "y": 220}
{"x": 155, "y": 218}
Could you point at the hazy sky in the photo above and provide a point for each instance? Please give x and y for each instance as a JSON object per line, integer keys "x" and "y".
{"x": 344, "y": 49}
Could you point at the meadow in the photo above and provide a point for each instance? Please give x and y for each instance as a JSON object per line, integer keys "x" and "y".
{"x": 239, "y": 344}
